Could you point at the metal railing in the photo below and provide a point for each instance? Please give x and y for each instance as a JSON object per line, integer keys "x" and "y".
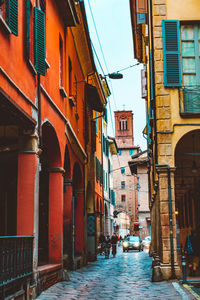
{"x": 189, "y": 99}
{"x": 16, "y": 258}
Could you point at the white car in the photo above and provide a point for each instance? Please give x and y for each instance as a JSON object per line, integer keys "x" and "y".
{"x": 146, "y": 242}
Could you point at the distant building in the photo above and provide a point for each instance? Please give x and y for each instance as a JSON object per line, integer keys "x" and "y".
{"x": 138, "y": 166}
{"x": 124, "y": 184}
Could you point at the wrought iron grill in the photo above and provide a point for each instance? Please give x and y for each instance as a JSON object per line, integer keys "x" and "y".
{"x": 16, "y": 257}
{"x": 190, "y": 99}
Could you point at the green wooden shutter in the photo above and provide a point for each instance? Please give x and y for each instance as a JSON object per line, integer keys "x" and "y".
{"x": 28, "y": 11}
{"x": 39, "y": 41}
{"x": 12, "y": 15}
{"x": 96, "y": 169}
{"x": 171, "y": 53}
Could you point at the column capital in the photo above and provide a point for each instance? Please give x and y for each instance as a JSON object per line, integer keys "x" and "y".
{"x": 56, "y": 170}
{"x": 27, "y": 152}
{"x": 165, "y": 168}
{"x": 67, "y": 181}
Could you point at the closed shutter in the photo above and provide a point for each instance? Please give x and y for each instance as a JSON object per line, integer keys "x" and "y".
{"x": 96, "y": 169}
{"x": 171, "y": 53}
{"x": 28, "y": 11}
{"x": 12, "y": 15}
{"x": 39, "y": 41}
{"x": 107, "y": 147}
{"x": 141, "y": 6}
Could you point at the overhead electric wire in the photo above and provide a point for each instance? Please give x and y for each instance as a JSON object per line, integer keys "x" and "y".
{"x": 95, "y": 27}
{"x": 104, "y": 62}
{"x": 97, "y": 57}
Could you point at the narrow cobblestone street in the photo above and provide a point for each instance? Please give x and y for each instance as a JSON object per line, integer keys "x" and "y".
{"x": 128, "y": 276}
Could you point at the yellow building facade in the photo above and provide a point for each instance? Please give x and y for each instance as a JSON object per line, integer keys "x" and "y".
{"x": 167, "y": 42}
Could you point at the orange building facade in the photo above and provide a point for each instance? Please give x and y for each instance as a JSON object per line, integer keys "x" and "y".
{"x": 49, "y": 88}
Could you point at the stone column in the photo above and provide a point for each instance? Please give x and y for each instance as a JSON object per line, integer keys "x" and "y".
{"x": 26, "y": 182}
{"x": 79, "y": 224}
{"x": 67, "y": 221}
{"x": 55, "y": 215}
{"x": 167, "y": 250}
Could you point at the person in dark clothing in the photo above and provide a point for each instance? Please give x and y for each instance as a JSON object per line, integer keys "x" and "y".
{"x": 195, "y": 241}
{"x": 192, "y": 251}
{"x": 101, "y": 241}
{"x": 114, "y": 240}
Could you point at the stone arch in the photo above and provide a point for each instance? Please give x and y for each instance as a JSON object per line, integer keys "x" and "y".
{"x": 187, "y": 184}
{"x": 78, "y": 209}
{"x": 67, "y": 214}
{"x": 50, "y": 190}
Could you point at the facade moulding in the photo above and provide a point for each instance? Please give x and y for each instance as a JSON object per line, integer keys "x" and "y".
{"x": 72, "y": 138}
{"x": 52, "y": 103}
{"x": 75, "y": 144}
{"x": 17, "y": 88}
{"x": 56, "y": 170}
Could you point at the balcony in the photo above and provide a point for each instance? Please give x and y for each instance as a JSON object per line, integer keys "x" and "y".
{"x": 189, "y": 101}
{"x": 16, "y": 258}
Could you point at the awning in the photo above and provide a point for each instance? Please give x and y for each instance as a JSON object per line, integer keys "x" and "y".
{"x": 92, "y": 98}
{"x": 68, "y": 12}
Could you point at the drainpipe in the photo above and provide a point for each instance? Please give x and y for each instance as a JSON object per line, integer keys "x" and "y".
{"x": 153, "y": 79}
{"x": 39, "y": 111}
{"x": 73, "y": 230}
{"x": 173, "y": 276}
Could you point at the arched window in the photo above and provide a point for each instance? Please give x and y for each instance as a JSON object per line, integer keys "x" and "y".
{"x": 123, "y": 125}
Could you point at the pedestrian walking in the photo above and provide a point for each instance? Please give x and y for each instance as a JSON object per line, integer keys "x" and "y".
{"x": 107, "y": 245}
{"x": 114, "y": 240}
{"x": 101, "y": 241}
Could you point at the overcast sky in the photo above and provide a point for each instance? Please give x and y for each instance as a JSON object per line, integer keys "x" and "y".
{"x": 113, "y": 24}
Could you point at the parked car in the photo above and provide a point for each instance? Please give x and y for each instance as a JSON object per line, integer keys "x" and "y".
{"x": 146, "y": 242}
{"x": 132, "y": 243}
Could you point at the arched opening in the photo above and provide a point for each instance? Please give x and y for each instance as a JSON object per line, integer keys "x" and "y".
{"x": 67, "y": 215}
{"x": 49, "y": 159}
{"x": 187, "y": 187}
{"x": 91, "y": 227}
{"x": 107, "y": 231}
{"x": 78, "y": 210}
{"x": 8, "y": 188}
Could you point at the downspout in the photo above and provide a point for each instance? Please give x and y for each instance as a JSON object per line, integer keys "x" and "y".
{"x": 39, "y": 111}
{"x": 153, "y": 83}
{"x": 173, "y": 276}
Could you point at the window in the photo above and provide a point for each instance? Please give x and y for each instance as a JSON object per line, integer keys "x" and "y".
{"x": 120, "y": 152}
{"x": 70, "y": 77}
{"x": 122, "y": 170}
{"x": 122, "y": 184}
{"x": 123, "y": 125}
{"x": 60, "y": 61}
{"x": 9, "y": 13}
{"x": 190, "y": 56}
{"x": 190, "y": 49}
{"x": 99, "y": 127}
{"x": 131, "y": 151}
{"x": 123, "y": 198}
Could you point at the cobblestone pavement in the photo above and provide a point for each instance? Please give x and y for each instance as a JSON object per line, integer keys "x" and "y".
{"x": 127, "y": 276}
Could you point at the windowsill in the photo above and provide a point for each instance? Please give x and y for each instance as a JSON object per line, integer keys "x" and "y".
{"x": 72, "y": 101}
{"x": 47, "y": 64}
{"x": 4, "y": 25}
{"x": 190, "y": 114}
{"x": 76, "y": 116}
{"x": 32, "y": 67}
{"x": 63, "y": 92}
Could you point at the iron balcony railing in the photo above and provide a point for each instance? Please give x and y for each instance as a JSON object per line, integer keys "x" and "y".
{"x": 189, "y": 97}
{"x": 16, "y": 258}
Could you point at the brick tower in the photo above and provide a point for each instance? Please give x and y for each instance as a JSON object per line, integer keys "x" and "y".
{"x": 124, "y": 183}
